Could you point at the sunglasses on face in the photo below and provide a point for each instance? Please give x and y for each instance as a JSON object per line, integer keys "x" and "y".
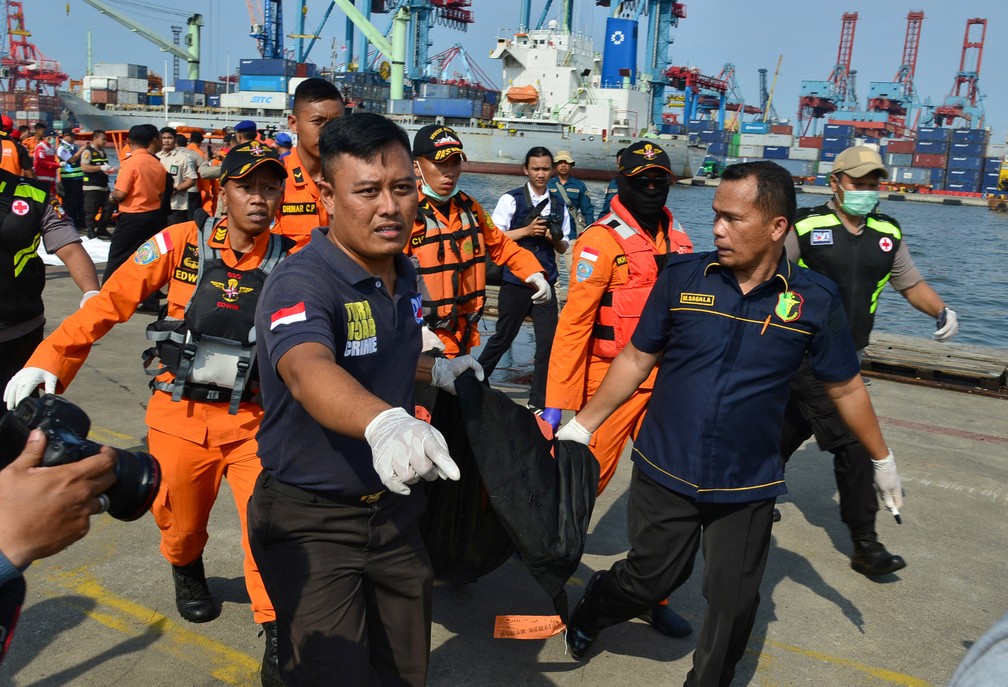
{"x": 642, "y": 182}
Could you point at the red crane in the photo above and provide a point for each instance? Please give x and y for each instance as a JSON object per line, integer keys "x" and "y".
{"x": 24, "y": 60}
{"x": 820, "y": 98}
{"x": 963, "y": 102}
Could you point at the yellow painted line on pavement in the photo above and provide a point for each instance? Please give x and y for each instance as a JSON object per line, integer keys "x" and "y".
{"x": 228, "y": 665}
{"x": 97, "y": 435}
{"x": 883, "y": 674}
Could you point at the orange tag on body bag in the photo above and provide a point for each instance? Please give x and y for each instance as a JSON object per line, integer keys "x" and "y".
{"x": 527, "y": 626}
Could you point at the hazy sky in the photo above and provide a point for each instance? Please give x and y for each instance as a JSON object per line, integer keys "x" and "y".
{"x": 749, "y": 34}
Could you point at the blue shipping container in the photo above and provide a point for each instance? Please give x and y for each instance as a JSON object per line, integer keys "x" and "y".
{"x": 963, "y": 175}
{"x": 213, "y": 100}
{"x": 718, "y": 148}
{"x": 829, "y": 155}
{"x": 971, "y": 163}
{"x": 156, "y": 100}
{"x": 933, "y": 133}
{"x": 775, "y": 152}
{"x": 991, "y": 179}
{"x": 701, "y": 125}
{"x": 930, "y": 147}
{"x": 992, "y": 164}
{"x": 275, "y": 84}
{"x": 842, "y": 130}
{"x": 967, "y": 149}
{"x": 755, "y": 128}
{"x": 970, "y": 136}
{"x": 267, "y": 67}
{"x": 937, "y": 177}
{"x": 714, "y": 136}
{"x": 443, "y": 107}
{"x": 836, "y": 143}
{"x": 189, "y": 85}
{"x": 971, "y": 187}
{"x": 821, "y": 179}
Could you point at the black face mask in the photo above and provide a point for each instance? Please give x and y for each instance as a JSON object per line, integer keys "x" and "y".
{"x": 645, "y": 202}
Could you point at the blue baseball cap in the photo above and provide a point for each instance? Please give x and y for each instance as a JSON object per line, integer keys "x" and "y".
{"x": 284, "y": 139}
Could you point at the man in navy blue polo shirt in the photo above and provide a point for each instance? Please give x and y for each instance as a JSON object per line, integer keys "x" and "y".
{"x": 728, "y": 329}
{"x": 332, "y": 522}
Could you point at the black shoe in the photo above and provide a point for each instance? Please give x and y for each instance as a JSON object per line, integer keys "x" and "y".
{"x": 269, "y": 674}
{"x": 666, "y": 621}
{"x": 873, "y": 560}
{"x": 776, "y": 514}
{"x": 192, "y": 595}
{"x": 92, "y": 235}
{"x": 152, "y": 308}
{"x": 577, "y": 639}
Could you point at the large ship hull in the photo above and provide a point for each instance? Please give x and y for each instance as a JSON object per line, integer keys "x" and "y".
{"x": 490, "y": 150}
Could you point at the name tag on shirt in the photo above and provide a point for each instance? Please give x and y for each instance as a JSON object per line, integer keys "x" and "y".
{"x": 822, "y": 237}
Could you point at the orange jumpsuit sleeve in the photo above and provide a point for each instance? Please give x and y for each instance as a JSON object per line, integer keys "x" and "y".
{"x": 567, "y": 380}
{"x": 64, "y": 351}
{"x": 503, "y": 250}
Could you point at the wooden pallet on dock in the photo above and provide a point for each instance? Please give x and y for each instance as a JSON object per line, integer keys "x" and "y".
{"x": 944, "y": 363}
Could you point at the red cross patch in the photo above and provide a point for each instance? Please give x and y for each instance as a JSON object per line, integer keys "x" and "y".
{"x": 886, "y": 244}
{"x": 20, "y": 207}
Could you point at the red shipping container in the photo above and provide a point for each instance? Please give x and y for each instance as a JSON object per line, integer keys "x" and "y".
{"x": 926, "y": 160}
{"x": 781, "y": 129}
{"x": 810, "y": 142}
{"x": 903, "y": 147}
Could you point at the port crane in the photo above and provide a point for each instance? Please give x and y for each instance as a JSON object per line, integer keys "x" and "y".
{"x": 891, "y": 102}
{"x": 20, "y": 61}
{"x": 820, "y": 98}
{"x": 964, "y": 102}
{"x": 766, "y": 97}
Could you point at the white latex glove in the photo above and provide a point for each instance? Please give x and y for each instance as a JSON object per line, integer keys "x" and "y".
{"x": 25, "y": 382}
{"x": 573, "y": 431}
{"x": 445, "y": 371}
{"x": 543, "y": 292}
{"x": 431, "y": 341}
{"x": 88, "y": 295}
{"x": 950, "y": 327}
{"x": 406, "y": 450}
{"x": 888, "y": 483}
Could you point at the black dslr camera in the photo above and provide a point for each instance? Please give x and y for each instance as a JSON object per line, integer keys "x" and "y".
{"x": 555, "y": 224}
{"x": 138, "y": 475}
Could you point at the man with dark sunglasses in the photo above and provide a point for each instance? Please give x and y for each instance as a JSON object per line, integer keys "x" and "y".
{"x": 616, "y": 262}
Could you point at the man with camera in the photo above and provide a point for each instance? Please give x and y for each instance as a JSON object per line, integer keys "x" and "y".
{"x": 204, "y": 412}
{"x": 537, "y": 219}
{"x": 42, "y": 512}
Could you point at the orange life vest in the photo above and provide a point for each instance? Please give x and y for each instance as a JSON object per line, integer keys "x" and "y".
{"x": 452, "y": 267}
{"x": 621, "y": 306}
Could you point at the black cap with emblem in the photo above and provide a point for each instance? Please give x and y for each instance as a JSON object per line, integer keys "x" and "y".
{"x": 242, "y": 159}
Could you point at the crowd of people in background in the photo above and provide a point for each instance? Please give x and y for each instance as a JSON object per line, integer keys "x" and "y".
{"x": 376, "y": 242}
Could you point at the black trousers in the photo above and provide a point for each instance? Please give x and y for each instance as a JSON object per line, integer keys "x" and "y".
{"x": 73, "y": 200}
{"x": 93, "y": 202}
{"x": 351, "y": 584}
{"x": 132, "y": 229}
{"x": 514, "y": 304}
{"x": 13, "y": 356}
{"x": 811, "y": 411}
{"x": 666, "y": 530}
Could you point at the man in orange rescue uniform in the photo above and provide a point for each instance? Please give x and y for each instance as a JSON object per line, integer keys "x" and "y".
{"x": 316, "y": 101}
{"x": 616, "y": 262}
{"x": 451, "y": 237}
{"x": 204, "y": 427}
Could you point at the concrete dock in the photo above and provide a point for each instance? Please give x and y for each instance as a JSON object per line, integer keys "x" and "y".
{"x": 103, "y": 612}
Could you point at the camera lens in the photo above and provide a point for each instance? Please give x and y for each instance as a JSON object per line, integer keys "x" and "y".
{"x": 138, "y": 476}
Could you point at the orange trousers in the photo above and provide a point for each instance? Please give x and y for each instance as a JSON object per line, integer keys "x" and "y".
{"x": 609, "y": 440}
{"x": 190, "y": 479}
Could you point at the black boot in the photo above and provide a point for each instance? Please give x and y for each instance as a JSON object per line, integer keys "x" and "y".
{"x": 192, "y": 595}
{"x": 870, "y": 556}
{"x": 269, "y": 674}
{"x": 666, "y": 621}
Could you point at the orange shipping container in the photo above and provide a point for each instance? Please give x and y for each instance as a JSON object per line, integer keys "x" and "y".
{"x": 782, "y": 129}
{"x": 810, "y": 142}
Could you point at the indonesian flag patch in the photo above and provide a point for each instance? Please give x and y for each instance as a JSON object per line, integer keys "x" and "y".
{"x": 295, "y": 313}
{"x": 589, "y": 254}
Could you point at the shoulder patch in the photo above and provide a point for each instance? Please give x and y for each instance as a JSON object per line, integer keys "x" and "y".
{"x": 153, "y": 248}
{"x": 298, "y": 175}
{"x": 220, "y": 233}
{"x": 584, "y": 270}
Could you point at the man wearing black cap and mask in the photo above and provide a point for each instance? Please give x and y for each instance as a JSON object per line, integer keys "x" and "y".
{"x": 451, "y": 237}
{"x": 617, "y": 261}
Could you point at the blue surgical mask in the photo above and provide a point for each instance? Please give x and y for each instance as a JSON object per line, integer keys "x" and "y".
{"x": 858, "y": 203}
{"x": 431, "y": 193}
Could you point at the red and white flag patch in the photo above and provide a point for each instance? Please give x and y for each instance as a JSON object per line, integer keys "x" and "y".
{"x": 164, "y": 242}
{"x": 589, "y": 254}
{"x": 295, "y": 313}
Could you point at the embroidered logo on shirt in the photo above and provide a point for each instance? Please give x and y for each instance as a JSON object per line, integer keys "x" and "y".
{"x": 705, "y": 299}
{"x": 822, "y": 237}
{"x": 295, "y": 313}
{"x": 220, "y": 233}
{"x": 361, "y": 337}
{"x": 584, "y": 270}
{"x": 789, "y": 306}
{"x": 298, "y": 209}
{"x": 621, "y": 260}
{"x": 189, "y": 269}
{"x": 417, "y": 303}
{"x": 153, "y": 249}
{"x": 886, "y": 244}
{"x": 20, "y": 207}
{"x": 231, "y": 290}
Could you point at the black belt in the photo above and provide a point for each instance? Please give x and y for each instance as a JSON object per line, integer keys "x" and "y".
{"x": 270, "y": 482}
